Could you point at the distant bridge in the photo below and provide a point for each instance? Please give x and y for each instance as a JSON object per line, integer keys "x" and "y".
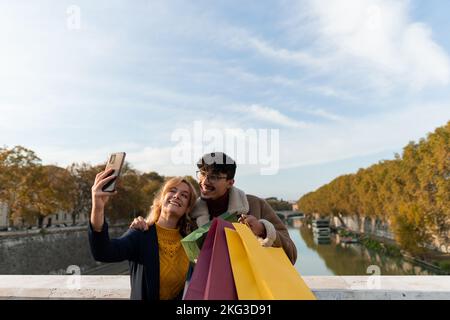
{"x": 284, "y": 215}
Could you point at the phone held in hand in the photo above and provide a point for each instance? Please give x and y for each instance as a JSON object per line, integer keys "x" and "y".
{"x": 115, "y": 162}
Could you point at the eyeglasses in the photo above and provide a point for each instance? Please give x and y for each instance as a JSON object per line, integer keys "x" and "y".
{"x": 213, "y": 178}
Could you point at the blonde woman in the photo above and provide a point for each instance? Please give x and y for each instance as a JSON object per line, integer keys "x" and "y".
{"x": 158, "y": 263}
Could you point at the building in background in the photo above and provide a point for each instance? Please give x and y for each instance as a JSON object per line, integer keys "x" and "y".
{"x": 61, "y": 219}
{"x": 57, "y": 219}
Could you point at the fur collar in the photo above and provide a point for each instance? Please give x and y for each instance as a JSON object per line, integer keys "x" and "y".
{"x": 237, "y": 204}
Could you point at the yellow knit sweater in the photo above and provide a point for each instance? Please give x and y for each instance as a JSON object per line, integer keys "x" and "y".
{"x": 173, "y": 263}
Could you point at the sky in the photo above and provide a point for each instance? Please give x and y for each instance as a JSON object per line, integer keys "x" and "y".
{"x": 344, "y": 84}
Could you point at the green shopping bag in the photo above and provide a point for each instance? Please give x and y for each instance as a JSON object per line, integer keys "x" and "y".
{"x": 193, "y": 242}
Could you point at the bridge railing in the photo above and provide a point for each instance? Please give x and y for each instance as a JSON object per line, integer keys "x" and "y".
{"x": 324, "y": 287}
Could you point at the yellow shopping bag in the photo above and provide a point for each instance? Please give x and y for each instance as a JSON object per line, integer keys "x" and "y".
{"x": 262, "y": 273}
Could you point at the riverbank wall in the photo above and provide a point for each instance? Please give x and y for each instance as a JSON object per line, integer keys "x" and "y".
{"x": 383, "y": 229}
{"x": 49, "y": 251}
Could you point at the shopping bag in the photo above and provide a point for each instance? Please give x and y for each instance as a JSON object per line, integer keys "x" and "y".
{"x": 260, "y": 272}
{"x": 193, "y": 242}
{"x": 220, "y": 283}
{"x": 212, "y": 278}
{"x": 244, "y": 278}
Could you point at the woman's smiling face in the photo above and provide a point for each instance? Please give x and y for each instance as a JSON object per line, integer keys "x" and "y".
{"x": 176, "y": 200}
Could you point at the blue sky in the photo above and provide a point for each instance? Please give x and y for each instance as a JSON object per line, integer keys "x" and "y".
{"x": 346, "y": 83}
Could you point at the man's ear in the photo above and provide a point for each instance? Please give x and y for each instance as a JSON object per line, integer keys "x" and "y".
{"x": 230, "y": 183}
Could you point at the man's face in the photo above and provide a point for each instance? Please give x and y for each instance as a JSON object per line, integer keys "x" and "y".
{"x": 213, "y": 185}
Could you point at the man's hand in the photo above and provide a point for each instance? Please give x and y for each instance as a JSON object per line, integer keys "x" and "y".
{"x": 139, "y": 223}
{"x": 254, "y": 224}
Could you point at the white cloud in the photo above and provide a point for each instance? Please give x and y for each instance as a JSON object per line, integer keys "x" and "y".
{"x": 297, "y": 57}
{"x": 269, "y": 115}
{"x": 62, "y": 91}
{"x": 376, "y": 37}
{"x": 159, "y": 160}
{"x": 324, "y": 114}
{"x": 328, "y": 91}
{"x": 140, "y": 157}
{"x": 319, "y": 144}
{"x": 63, "y": 156}
{"x": 367, "y": 43}
{"x": 344, "y": 139}
{"x": 363, "y": 135}
{"x": 289, "y": 82}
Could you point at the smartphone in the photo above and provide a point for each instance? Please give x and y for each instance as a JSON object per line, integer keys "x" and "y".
{"x": 115, "y": 162}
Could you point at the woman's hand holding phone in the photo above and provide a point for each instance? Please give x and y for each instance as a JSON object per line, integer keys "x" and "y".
{"x": 100, "y": 198}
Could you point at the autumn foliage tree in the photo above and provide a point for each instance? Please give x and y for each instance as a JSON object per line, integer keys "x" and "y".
{"x": 33, "y": 191}
{"x": 83, "y": 176}
{"x": 411, "y": 191}
{"x": 19, "y": 170}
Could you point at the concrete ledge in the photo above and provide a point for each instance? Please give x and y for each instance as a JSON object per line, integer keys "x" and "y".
{"x": 325, "y": 287}
{"x": 64, "y": 287}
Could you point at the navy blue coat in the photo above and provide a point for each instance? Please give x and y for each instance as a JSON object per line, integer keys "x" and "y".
{"x": 141, "y": 249}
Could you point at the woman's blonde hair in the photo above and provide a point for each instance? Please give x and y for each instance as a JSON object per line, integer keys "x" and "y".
{"x": 186, "y": 224}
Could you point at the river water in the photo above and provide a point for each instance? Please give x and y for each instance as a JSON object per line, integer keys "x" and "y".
{"x": 322, "y": 259}
{"x": 345, "y": 259}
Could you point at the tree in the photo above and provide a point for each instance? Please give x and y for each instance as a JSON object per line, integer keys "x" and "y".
{"x": 49, "y": 190}
{"x": 18, "y": 169}
{"x": 83, "y": 176}
{"x": 279, "y": 205}
{"x": 130, "y": 199}
{"x": 412, "y": 192}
